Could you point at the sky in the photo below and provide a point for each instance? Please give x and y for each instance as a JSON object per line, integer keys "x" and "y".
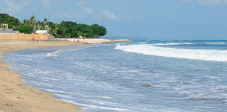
{"x": 143, "y": 19}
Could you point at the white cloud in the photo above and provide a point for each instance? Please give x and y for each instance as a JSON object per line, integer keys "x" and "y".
{"x": 67, "y": 15}
{"x": 109, "y": 14}
{"x": 14, "y": 6}
{"x": 207, "y": 2}
{"x": 81, "y": 3}
{"x": 88, "y": 10}
{"x": 83, "y": 7}
{"x": 46, "y": 4}
{"x": 85, "y": 11}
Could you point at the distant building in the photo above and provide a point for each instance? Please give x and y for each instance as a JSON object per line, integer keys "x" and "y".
{"x": 7, "y": 32}
{"x": 4, "y": 29}
{"x": 41, "y": 31}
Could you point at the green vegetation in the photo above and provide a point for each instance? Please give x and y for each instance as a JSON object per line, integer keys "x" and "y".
{"x": 64, "y": 29}
{"x": 72, "y": 29}
{"x": 11, "y": 21}
{"x": 24, "y": 29}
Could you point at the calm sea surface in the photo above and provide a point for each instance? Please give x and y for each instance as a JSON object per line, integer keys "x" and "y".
{"x": 142, "y": 76}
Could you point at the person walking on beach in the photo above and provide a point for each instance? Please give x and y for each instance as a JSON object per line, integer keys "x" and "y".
{"x": 33, "y": 38}
{"x": 37, "y": 39}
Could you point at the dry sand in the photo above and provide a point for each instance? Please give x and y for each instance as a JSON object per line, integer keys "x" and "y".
{"x": 16, "y": 97}
{"x": 90, "y": 40}
{"x": 122, "y": 40}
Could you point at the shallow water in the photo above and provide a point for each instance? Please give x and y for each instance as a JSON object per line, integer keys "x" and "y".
{"x": 144, "y": 76}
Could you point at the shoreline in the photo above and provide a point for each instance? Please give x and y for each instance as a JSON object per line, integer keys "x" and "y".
{"x": 17, "y": 97}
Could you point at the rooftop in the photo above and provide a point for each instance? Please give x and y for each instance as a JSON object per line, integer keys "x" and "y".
{"x": 1, "y": 31}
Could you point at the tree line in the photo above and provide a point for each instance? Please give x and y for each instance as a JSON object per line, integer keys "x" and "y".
{"x": 64, "y": 29}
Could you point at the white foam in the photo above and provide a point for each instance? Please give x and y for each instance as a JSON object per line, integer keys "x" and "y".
{"x": 102, "y": 107}
{"x": 197, "y": 54}
{"x": 186, "y": 43}
{"x": 163, "y": 44}
{"x": 56, "y": 91}
{"x": 206, "y": 107}
{"x": 103, "y": 102}
{"x": 221, "y": 43}
{"x": 53, "y": 54}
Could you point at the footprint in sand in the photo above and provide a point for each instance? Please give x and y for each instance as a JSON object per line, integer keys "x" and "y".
{"x": 9, "y": 90}
{"x": 9, "y": 105}
{"x": 20, "y": 98}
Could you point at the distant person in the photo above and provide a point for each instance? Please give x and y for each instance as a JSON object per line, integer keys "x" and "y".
{"x": 33, "y": 38}
{"x": 37, "y": 39}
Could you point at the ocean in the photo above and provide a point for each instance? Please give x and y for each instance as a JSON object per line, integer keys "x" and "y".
{"x": 140, "y": 76}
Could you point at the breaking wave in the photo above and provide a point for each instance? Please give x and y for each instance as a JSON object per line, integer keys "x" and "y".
{"x": 196, "y": 54}
{"x": 190, "y": 43}
{"x": 216, "y": 43}
{"x": 163, "y": 44}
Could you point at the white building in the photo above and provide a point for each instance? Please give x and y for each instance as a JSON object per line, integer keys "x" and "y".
{"x": 41, "y": 31}
{"x": 4, "y": 29}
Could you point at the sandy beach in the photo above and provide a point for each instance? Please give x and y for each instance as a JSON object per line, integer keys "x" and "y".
{"x": 16, "y": 97}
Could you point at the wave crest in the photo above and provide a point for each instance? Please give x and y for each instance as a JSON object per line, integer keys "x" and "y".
{"x": 196, "y": 54}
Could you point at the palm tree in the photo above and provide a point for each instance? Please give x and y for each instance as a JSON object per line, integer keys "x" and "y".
{"x": 45, "y": 20}
{"x": 46, "y": 24}
{"x": 33, "y": 22}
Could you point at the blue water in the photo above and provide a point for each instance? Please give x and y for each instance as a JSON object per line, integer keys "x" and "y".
{"x": 142, "y": 76}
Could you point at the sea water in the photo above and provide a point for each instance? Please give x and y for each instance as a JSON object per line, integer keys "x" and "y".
{"x": 141, "y": 76}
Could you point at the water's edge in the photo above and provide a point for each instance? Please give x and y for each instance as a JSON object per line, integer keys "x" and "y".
{"x": 20, "y": 76}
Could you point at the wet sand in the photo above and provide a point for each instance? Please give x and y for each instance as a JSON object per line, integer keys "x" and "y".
{"x": 16, "y": 97}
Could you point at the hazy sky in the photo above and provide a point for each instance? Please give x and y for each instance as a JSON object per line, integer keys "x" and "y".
{"x": 153, "y": 19}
